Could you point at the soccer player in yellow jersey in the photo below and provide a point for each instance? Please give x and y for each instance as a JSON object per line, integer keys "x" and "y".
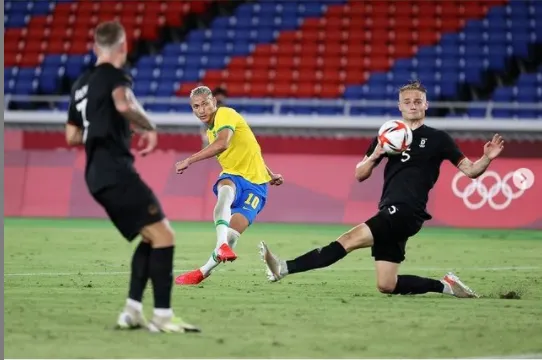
{"x": 241, "y": 188}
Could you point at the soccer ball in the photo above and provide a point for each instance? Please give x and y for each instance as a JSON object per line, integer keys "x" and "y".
{"x": 394, "y": 136}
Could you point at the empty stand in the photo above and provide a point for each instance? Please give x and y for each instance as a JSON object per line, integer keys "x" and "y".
{"x": 317, "y": 49}
{"x": 55, "y": 37}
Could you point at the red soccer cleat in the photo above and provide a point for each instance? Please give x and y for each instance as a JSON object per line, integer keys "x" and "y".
{"x": 225, "y": 253}
{"x": 193, "y": 277}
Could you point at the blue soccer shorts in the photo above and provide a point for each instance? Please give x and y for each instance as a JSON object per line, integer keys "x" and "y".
{"x": 249, "y": 197}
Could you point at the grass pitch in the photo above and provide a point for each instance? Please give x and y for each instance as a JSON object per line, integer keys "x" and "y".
{"x": 66, "y": 280}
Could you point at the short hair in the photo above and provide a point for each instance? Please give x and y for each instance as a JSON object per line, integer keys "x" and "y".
{"x": 201, "y": 90}
{"x": 108, "y": 34}
{"x": 413, "y": 85}
{"x": 220, "y": 91}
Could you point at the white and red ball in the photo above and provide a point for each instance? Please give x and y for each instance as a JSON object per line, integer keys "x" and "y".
{"x": 394, "y": 136}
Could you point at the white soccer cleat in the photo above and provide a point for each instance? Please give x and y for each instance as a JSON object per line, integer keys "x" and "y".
{"x": 131, "y": 319}
{"x": 275, "y": 268}
{"x": 457, "y": 287}
{"x": 170, "y": 324}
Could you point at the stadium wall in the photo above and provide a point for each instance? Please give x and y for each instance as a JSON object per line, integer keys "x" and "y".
{"x": 273, "y": 143}
{"x": 318, "y": 189}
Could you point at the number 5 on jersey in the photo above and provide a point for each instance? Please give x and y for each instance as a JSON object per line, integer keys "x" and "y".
{"x": 82, "y": 108}
{"x": 405, "y": 156}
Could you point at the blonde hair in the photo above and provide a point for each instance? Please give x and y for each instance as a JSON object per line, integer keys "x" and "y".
{"x": 108, "y": 34}
{"x": 413, "y": 85}
{"x": 201, "y": 90}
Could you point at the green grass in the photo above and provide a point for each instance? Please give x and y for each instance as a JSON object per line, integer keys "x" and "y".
{"x": 70, "y": 309}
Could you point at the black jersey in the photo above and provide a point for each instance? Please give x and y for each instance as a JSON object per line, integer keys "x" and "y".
{"x": 106, "y": 134}
{"x": 409, "y": 176}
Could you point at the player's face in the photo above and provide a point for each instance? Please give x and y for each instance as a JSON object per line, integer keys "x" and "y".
{"x": 203, "y": 107}
{"x": 412, "y": 104}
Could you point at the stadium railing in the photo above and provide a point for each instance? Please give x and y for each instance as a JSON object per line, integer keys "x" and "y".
{"x": 277, "y": 119}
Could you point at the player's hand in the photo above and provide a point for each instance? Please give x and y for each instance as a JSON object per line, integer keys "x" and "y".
{"x": 181, "y": 166}
{"x": 493, "y": 148}
{"x": 276, "y": 179}
{"x": 150, "y": 138}
{"x": 378, "y": 152}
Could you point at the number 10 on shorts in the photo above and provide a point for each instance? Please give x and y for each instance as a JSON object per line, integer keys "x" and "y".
{"x": 252, "y": 200}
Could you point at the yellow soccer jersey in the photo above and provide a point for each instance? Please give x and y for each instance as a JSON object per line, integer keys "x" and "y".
{"x": 244, "y": 155}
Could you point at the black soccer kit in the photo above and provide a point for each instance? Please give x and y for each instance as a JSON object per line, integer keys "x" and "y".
{"x": 408, "y": 178}
{"x": 110, "y": 174}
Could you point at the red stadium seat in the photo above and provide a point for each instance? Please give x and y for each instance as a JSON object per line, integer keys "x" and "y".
{"x": 11, "y": 58}
{"x": 305, "y": 90}
{"x": 238, "y": 62}
{"x": 263, "y": 76}
{"x": 260, "y": 90}
{"x": 30, "y": 60}
{"x": 13, "y": 46}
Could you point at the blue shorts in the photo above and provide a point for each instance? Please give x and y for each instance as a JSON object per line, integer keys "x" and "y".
{"x": 249, "y": 197}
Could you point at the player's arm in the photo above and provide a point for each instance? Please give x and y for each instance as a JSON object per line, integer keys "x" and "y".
{"x": 271, "y": 173}
{"x": 492, "y": 149}
{"x": 74, "y": 135}
{"x": 221, "y": 144}
{"x": 372, "y": 158}
{"x": 474, "y": 169}
{"x": 74, "y": 127}
{"x": 128, "y": 106}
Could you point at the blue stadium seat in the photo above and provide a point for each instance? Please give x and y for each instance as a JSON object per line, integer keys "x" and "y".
{"x": 329, "y": 110}
{"x": 41, "y": 7}
{"x": 296, "y": 110}
{"x": 15, "y": 20}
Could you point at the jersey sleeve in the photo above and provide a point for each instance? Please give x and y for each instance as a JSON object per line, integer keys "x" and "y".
{"x": 371, "y": 148}
{"x": 450, "y": 150}
{"x": 119, "y": 78}
{"x": 226, "y": 119}
{"x": 74, "y": 116}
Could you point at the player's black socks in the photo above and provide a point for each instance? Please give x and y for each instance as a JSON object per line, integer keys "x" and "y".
{"x": 140, "y": 271}
{"x": 317, "y": 258}
{"x": 412, "y": 284}
{"x": 161, "y": 274}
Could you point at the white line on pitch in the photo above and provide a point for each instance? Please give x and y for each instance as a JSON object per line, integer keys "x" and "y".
{"x": 113, "y": 273}
{"x": 522, "y": 356}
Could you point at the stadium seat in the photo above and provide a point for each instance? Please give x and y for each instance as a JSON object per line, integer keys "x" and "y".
{"x": 39, "y": 32}
{"x": 327, "y": 49}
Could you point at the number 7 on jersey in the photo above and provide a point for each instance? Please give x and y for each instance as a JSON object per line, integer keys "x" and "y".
{"x": 82, "y": 108}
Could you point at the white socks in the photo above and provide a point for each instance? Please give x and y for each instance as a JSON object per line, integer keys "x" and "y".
{"x": 232, "y": 237}
{"x": 135, "y": 305}
{"x": 447, "y": 288}
{"x": 222, "y": 217}
{"x": 222, "y": 213}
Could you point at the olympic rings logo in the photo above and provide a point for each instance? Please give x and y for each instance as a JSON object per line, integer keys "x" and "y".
{"x": 487, "y": 195}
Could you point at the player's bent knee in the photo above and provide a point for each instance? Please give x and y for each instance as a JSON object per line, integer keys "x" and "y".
{"x": 226, "y": 196}
{"x": 356, "y": 238}
{"x": 386, "y": 276}
{"x": 386, "y": 287}
{"x": 239, "y": 223}
{"x": 160, "y": 234}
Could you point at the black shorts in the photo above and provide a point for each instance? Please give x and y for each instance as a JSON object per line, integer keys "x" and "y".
{"x": 131, "y": 205}
{"x": 391, "y": 227}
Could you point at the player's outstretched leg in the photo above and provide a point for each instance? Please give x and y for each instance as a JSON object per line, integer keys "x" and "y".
{"x": 161, "y": 274}
{"x": 196, "y": 276}
{"x": 132, "y": 316}
{"x": 356, "y": 238}
{"x": 389, "y": 282}
{"x": 226, "y": 237}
